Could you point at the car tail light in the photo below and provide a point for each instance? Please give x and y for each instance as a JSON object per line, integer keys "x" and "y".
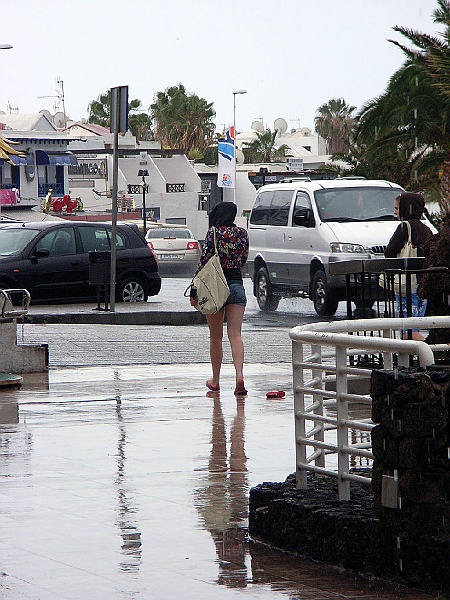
{"x": 150, "y": 245}
{"x": 192, "y": 246}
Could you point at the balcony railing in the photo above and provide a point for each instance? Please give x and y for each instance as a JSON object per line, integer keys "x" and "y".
{"x": 172, "y": 188}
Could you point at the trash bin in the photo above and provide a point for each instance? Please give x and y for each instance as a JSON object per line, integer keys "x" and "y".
{"x": 99, "y": 268}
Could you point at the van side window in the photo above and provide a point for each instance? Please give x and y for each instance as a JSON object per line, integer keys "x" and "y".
{"x": 261, "y": 208}
{"x": 279, "y": 210}
{"x": 303, "y": 214}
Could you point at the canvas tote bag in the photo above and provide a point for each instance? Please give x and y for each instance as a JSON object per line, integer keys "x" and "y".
{"x": 408, "y": 251}
{"x": 211, "y": 285}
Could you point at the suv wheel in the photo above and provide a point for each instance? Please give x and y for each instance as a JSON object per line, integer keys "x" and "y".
{"x": 267, "y": 302}
{"x": 325, "y": 301}
{"x": 131, "y": 290}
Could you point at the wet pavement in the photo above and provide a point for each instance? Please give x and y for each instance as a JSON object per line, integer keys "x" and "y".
{"x": 127, "y": 481}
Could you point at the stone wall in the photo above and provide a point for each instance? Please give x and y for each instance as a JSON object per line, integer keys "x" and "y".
{"x": 399, "y": 529}
{"x": 411, "y": 470}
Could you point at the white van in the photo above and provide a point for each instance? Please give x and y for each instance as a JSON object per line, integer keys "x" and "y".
{"x": 298, "y": 227}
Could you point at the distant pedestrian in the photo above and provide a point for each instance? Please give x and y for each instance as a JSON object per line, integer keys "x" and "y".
{"x": 409, "y": 207}
{"x": 232, "y": 247}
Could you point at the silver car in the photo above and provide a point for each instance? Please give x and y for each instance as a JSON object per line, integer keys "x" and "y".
{"x": 174, "y": 247}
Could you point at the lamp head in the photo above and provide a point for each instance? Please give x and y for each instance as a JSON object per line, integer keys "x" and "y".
{"x": 239, "y": 92}
{"x": 5, "y": 46}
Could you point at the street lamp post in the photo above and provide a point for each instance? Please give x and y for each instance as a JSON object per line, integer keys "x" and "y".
{"x": 235, "y": 93}
{"x": 144, "y": 173}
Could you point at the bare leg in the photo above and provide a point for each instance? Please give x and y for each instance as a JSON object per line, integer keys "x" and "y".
{"x": 416, "y": 335}
{"x": 215, "y": 324}
{"x": 235, "y": 315}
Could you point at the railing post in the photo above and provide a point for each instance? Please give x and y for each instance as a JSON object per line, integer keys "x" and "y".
{"x": 318, "y": 376}
{"x": 342, "y": 417}
{"x": 299, "y": 409}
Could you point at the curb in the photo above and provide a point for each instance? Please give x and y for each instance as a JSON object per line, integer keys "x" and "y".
{"x": 116, "y": 318}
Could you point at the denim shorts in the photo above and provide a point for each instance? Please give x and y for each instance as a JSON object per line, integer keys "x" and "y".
{"x": 418, "y": 306}
{"x": 237, "y": 293}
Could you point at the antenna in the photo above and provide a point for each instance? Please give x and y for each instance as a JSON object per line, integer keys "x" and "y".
{"x": 60, "y": 99}
{"x": 13, "y": 110}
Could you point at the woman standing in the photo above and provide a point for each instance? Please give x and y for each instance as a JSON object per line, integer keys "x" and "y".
{"x": 232, "y": 247}
{"x": 409, "y": 207}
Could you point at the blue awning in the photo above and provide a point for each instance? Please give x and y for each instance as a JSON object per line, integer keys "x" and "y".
{"x": 16, "y": 160}
{"x": 61, "y": 158}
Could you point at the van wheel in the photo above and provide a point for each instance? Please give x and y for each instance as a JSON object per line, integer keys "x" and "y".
{"x": 325, "y": 301}
{"x": 267, "y": 302}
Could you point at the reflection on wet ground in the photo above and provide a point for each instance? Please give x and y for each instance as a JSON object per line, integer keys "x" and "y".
{"x": 130, "y": 483}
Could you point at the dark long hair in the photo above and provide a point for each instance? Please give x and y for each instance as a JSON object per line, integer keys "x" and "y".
{"x": 223, "y": 214}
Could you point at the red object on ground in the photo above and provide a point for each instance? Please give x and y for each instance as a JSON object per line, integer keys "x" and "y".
{"x": 276, "y": 394}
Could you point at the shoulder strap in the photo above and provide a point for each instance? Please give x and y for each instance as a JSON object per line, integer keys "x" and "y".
{"x": 408, "y": 226}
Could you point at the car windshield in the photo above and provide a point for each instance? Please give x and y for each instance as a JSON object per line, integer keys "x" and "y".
{"x": 357, "y": 203}
{"x": 13, "y": 240}
{"x": 183, "y": 234}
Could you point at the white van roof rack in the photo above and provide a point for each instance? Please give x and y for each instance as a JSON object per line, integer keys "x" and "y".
{"x": 294, "y": 179}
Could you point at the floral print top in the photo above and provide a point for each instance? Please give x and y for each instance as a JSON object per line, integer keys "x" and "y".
{"x": 232, "y": 246}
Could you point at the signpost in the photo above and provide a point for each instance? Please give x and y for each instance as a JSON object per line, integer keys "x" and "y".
{"x": 118, "y": 124}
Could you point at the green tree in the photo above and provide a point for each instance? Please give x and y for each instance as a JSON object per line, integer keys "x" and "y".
{"x": 139, "y": 122}
{"x": 183, "y": 121}
{"x": 335, "y": 122}
{"x": 390, "y": 141}
{"x": 263, "y": 150}
{"x": 99, "y": 110}
{"x": 430, "y": 55}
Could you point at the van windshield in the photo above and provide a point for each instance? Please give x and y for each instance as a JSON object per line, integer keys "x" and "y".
{"x": 357, "y": 203}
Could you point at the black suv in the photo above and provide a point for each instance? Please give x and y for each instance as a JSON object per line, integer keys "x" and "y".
{"x": 51, "y": 260}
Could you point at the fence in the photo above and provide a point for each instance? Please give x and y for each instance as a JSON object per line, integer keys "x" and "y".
{"x": 370, "y": 283}
{"x": 325, "y": 377}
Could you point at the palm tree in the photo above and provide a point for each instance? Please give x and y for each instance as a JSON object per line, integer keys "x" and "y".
{"x": 403, "y": 135}
{"x": 262, "y": 149}
{"x": 431, "y": 59}
{"x": 183, "y": 121}
{"x": 334, "y": 122}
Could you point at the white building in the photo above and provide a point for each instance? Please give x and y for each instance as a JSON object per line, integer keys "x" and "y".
{"x": 46, "y": 160}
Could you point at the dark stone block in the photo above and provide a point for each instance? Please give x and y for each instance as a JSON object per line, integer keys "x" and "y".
{"x": 425, "y": 562}
{"x": 422, "y": 487}
{"x": 423, "y": 453}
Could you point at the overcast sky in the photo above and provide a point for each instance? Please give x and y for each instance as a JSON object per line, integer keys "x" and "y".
{"x": 290, "y": 55}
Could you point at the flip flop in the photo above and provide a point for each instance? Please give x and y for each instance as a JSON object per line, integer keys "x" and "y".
{"x": 213, "y": 388}
{"x": 240, "y": 392}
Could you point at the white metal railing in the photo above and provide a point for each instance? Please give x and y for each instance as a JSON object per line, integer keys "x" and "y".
{"x": 13, "y": 303}
{"x": 324, "y": 378}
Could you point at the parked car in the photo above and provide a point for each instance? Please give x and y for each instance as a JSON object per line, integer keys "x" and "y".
{"x": 174, "y": 246}
{"x": 51, "y": 260}
{"x": 299, "y": 227}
